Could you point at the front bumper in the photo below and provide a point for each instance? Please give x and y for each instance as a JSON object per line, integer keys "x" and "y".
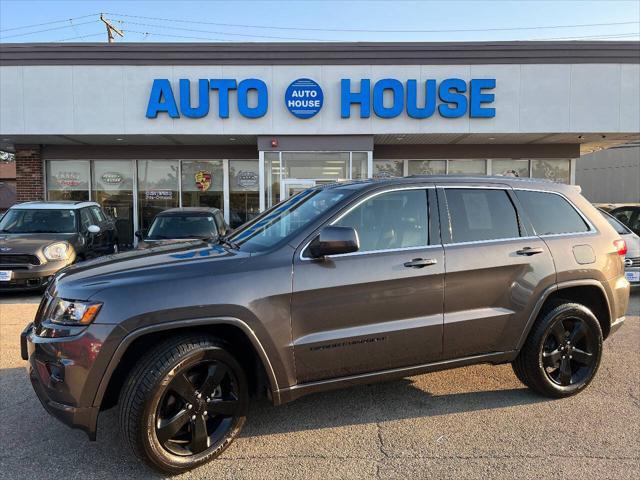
{"x": 33, "y": 277}
{"x": 61, "y": 372}
{"x": 615, "y": 325}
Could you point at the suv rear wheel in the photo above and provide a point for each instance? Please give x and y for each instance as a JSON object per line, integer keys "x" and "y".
{"x": 562, "y": 353}
{"x": 184, "y": 403}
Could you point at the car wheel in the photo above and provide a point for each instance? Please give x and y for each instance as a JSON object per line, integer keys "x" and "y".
{"x": 562, "y": 353}
{"x": 184, "y": 403}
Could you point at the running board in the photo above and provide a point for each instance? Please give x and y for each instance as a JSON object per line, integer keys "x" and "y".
{"x": 292, "y": 393}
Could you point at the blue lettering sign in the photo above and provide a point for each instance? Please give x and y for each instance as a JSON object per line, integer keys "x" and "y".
{"x": 347, "y": 97}
{"x": 413, "y": 110}
{"x": 303, "y": 98}
{"x": 451, "y": 98}
{"x": 397, "y": 98}
{"x": 223, "y": 85}
{"x": 185, "y": 99}
{"x": 161, "y": 99}
{"x": 477, "y": 98}
{"x": 244, "y": 87}
{"x": 451, "y": 93}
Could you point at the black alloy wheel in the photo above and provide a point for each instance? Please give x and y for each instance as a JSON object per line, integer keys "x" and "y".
{"x": 569, "y": 351}
{"x": 184, "y": 403}
{"x": 562, "y": 352}
{"x": 198, "y": 408}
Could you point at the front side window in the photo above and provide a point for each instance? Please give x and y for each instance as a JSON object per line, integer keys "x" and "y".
{"x": 478, "y": 215}
{"x": 551, "y": 214}
{"x": 38, "y": 221}
{"x": 178, "y": 226}
{"x": 85, "y": 219}
{"x": 391, "y": 220}
{"x": 287, "y": 218}
{"x": 98, "y": 215}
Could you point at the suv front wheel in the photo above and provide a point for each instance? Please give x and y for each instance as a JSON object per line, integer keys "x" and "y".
{"x": 563, "y": 351}
{"x": 183, "y": 403}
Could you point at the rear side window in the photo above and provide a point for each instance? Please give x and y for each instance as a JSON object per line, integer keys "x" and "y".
{"x": 478, "y": 214}
{"x": 551, "y": 214}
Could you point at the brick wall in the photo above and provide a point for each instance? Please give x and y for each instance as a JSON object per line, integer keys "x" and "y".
{"x": 29, "y": 174}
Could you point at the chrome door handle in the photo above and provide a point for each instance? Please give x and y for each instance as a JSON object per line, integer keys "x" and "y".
{"x": 420, "y": 262}
{"x": 528, "y": 251}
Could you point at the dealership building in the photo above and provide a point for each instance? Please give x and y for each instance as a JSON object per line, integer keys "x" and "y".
{"x": 144, "y": 127}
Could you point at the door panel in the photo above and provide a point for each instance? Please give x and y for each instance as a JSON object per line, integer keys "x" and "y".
{"x": 490, "y": 293}
{"x": 495, "y": 271}
{"x": 359, "y": 313}
{"x": 368, "y": 311}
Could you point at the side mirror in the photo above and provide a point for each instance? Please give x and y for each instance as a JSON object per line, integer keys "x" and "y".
{"x": 334, "y": 241}
{"x": 139, "y": 235}
{"x": 93, "y": 229}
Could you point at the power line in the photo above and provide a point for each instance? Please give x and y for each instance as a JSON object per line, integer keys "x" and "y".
{"x": 499, "y": 29}
{"x": 123, "y": 22}
{"x": 48, "y": 29}
{"x": 48, "y": 23}
{"x": 81, "y": 36}
{"x": 620, "y": 35}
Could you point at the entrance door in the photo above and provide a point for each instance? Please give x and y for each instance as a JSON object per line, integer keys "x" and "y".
{"x": 291, "y": 186}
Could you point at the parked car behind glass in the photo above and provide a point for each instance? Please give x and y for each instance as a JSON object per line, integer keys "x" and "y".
{"x": 187, "y": 223}
{"x": 39, "y": 238}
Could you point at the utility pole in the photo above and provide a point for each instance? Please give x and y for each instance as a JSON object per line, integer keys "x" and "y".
{"x": 110, "y": 29}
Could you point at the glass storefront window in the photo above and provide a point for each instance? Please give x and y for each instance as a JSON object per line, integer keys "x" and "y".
{"x": 427, "y": 167}
{"x": 272, "y": 177}
{"x": 554, "y": 169}
{"x": 468, "y": 167}
{"x": 359, "y": 165}
{"x": 388, "y": 168}
{"x": 510, "y": 167}
{"x": 244, "y": 199}
{"x": 112, "y": 187}
{"x": 202, "y": 184}
{"x": 157, "y": 188}
{"x": 327, "y": 166}
{"x": 68, "y": 180}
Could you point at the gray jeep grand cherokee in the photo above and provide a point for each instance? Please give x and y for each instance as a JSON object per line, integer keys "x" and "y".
{"x": 339, "y": 285}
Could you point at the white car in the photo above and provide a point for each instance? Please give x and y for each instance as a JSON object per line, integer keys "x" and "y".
{"x": 632, "y": 257}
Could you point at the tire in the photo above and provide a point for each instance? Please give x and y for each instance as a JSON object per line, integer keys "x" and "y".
{"x": 562, "y": 352}
{"x": 161, "y": 417}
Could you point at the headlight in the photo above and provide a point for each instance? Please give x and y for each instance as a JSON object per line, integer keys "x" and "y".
{"x": 58, "y": 251}
{"x": 71, "y": 312}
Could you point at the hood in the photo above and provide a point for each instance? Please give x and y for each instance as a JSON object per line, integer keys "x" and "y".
{"x": 168, "y": 262}
{"x": 31, "y": 243}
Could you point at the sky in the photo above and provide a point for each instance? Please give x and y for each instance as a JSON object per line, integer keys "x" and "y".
{"x": 330, "y": 20}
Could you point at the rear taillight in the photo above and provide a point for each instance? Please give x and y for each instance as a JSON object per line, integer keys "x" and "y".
{"x": 621, "y": 247}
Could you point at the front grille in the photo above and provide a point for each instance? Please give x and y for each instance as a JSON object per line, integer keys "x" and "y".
{"x": 18, "y": 259}
{"x": 635, "y": 262}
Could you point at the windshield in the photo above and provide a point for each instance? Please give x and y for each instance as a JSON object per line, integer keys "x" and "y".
{"x": 180, "y": 226}
{"x": 286, "y": 218}
{"x": 616, "y": 224}
{"x": 38, "y": 221}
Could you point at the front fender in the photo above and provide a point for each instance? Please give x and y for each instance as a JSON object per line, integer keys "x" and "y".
{"x": 159, "y": 327}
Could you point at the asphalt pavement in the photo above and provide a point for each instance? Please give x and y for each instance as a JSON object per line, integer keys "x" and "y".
{"x": 473, "y": 422}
